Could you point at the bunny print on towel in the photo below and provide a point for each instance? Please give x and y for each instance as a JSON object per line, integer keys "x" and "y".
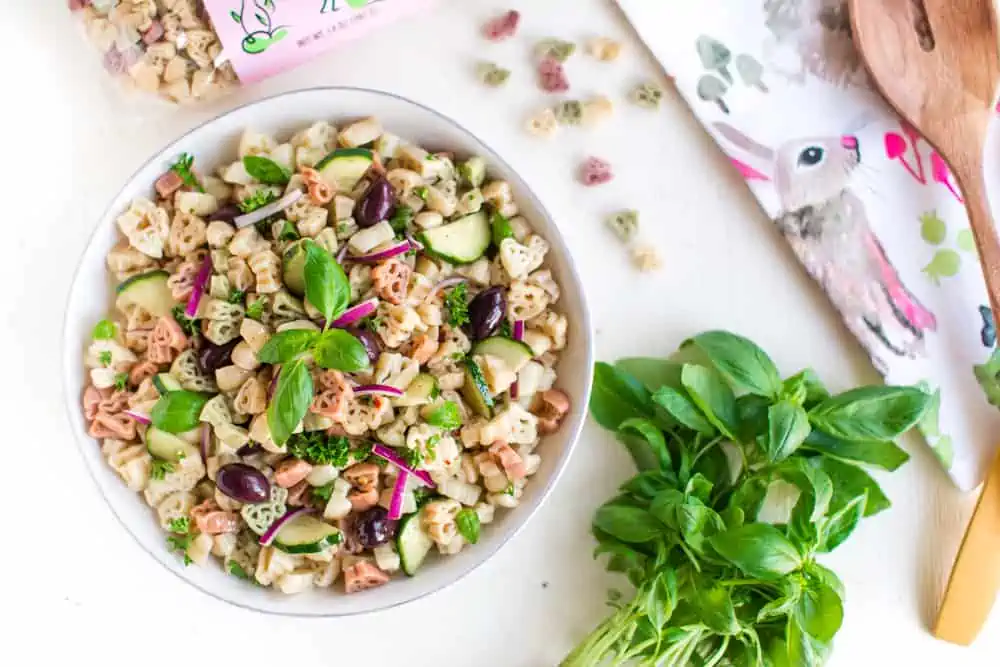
{"x": 826, "y": 225}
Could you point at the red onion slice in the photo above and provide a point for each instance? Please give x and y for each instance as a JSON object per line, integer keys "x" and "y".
{"x": 198, "y": 291}
{"x": 395, "y": 249}
{"x": 139, "y": 417}
{"x": 393, "y": 458}
{"x": 267, "y": 211}
{"x": 379, "y": 389}
{"x": 355, "y": 313}
{"x": 517, "y": 331}
{"x": 341, "y": 254}
{"x": 396, "y": 503}
{"x": 268, "y": 537}
{"x": 414, "y": 243}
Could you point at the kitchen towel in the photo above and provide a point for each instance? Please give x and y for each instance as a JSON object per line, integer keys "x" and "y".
{"x": 868, "y": 208}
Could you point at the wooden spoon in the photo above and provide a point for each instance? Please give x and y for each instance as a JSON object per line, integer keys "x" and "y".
{"x": 937, "y": 64}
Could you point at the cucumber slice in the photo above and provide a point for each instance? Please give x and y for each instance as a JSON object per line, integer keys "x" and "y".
{"x": 166, "y": 383}
{"x": 476, "y": 391}
{"x": 293, "y": 269}
{"x": 460, "y": 242}
{"x": 512, "y": 353}
{"x": 148, "y": 291}
{"x": 473, "y": 171}
{"x": 306, "y": 534}
{"x": 344, "y": 167}
{"x": 421, "y": 391}
{"x": 167, "y": 446}
{"x": 413, "y": 544}
{"x": 501, "y": 228}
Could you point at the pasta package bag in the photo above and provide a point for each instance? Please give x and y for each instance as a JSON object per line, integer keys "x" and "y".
{"x": 187, "y": 51}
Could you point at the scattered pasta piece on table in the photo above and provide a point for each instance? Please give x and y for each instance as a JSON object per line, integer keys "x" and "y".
{"x": 646, "y": 258}
{"x": 557, "y": 49}
{"x": 502, "y": 27}
{"x": 552, "y": 76}
{"x": 624, "y": 224}
{"x": 569, "y": 112}
{"x": 597, "y": 109}
{"x": 543, "y": 123}
{"x": 647, "y": 95}
{"x": 492, "y": 74}
{"x": 604, "y": 49}
{"x": 595, "y": 171}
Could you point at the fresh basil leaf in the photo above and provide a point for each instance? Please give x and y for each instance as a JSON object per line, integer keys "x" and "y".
{"x": 646, "y": 485}
{"x": 665, "y": 505}
{"x": 616, "y": 397}
{"x": 886, "y": 455}
{"x": 340, "y": 350}
{"x": 327, "y": 287}
{"x": 751, "y": 412}
{"x": 805, "y": 389}
{"x": 826, "y": 575}
{"x": 749, "y": 496}
{"x": 680, "y": 407}
{"x": 651, "y": 372}
{"x": 104, "y": 330}
{"x": 715, "y": 609}
{"x": 714, "y": 464}
{"x": 741, "y": 361}
{"x": 819, "y": 611}
{"x": 849, "y": 482}
{"x": 661, "y": 600}
{"x": 266, "y": 170}
{"x": 446, "y": 416}
{"x": 178, "y": 411}
{"x": 812, "y": 481}
{"x": 838, "y": 527}
{"x": 698, "y": 523}
{"x": 621, "y": 557}
{"x": 759, "y": 550}
{"x": 649, "y": 450}
{"x": 699, "y": 487}
{"x": 776, "y": 655}
{"x": 800, "y": 529}
{"x": 628, "y": 524}
{"x": 870, "y": 413}
{"x": 791, "y": 590}
{"x": 290, "y": 402}
{"x": 467, "y": 521}
{"x": 803, "y": 649}
{"x": 286, "y": 345}
{"x": 713, "y": 397}
{"x": 787, "y": 428}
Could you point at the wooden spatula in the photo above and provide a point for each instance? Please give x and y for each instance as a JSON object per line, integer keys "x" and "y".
{"x": 937, "y": 64}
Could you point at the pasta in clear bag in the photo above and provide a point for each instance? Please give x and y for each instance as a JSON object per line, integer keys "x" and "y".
{"x": 190, "y": 51}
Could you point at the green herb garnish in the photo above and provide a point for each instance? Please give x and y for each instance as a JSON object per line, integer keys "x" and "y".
{"x": 255, "y": 310}
{"x": 121, "y": 381}
{"x": 178, "y": 411}
{"x": 412, "y": 457}
{"x": 159, "y": 468}
{"x": 467, "y": 522}
{"x": 421, "y": 191}
{"x": 372, "y": 323}
{"x": 323, "y": 493}
{"x": 104, "y": 357}
{"x": 180, "y": 525}
{"x": 188, "y": 325}
{"x": 506, "y": 330}
{"x": 431, "y": 447}
{"x": 237, "y": 571}
{"x": 318, "y": 448}
{"x": 104, "y": 330}
{"x": 257, "y": 200}
{"x": 457, "y": 303}
{"x": 266, "y": 170}
{"x": 446, "y": 416}
{"x": 509, "y": 491}
{"x": 288, "y": 232}
{"x": 236, "y": 295}
{"x": 181, "y": 543}
{"x": 711, "y": 580}
{"x": 183, "y": 168}
{"x": 401, "y": 218}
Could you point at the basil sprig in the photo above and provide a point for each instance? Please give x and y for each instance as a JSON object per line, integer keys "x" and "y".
{"x": 328, "y": 289}
{"x": 710, "y": 434}
{"x": 178, "y": 411}
{"x": 266, "y": 170}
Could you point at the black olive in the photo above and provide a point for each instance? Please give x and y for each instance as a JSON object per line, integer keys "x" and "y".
{"x": 371, "y": 342}
{"x": 376, "y": 204}
{"x": 243, "y": 482}
{"x": 486, "y": 312}
{"x": 212, "y": 357}
{"x": 226, "y": 213}
{"x": 374, "y": 528}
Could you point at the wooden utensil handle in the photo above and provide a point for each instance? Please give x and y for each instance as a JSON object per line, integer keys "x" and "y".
{"x": 973, "y": 185}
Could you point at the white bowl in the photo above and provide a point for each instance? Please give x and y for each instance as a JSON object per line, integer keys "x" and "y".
{"x": 216, "y": 141}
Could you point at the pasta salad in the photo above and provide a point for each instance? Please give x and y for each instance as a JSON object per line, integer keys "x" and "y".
{"x": 328, "y": 359}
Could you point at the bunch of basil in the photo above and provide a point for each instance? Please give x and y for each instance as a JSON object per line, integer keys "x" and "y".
{"x": 713, "y": 584}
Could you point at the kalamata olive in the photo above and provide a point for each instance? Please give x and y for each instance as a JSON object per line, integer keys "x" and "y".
{"x": 486, "y": 311}
{"x": 243, "y": 482}
{"x": 371, "y": 342}
{"x": 374, "y": 528}
{"x": 226, "y": 213}
{"x": 249, "y": 449}
{"x": 376, "y": 204}
{"x": 212, "y": 357}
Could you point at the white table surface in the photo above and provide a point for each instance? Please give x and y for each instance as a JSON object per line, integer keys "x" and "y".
{"x": 79, "y": 590}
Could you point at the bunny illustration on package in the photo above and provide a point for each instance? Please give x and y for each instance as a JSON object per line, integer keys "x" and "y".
{"x": 827, "y": 226}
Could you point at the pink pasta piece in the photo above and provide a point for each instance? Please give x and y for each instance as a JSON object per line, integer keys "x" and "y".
{"x": 141, "y": 371}
{"x": 552, "y": 76}
{"x": 503, "y": 26}
{"x": 291, "y": 471}
{"x": 596, "y": 171}
{"x": 168, "y": 184}
{"x": 92, "y": 397}
{"x": 510, "y": 461}
{"x": 114, "y": 403}
{"x": 166, "y": 341}
{"x": 153, "y": 33}
{"x": 363, "y": 575}
{"x": 112, "y": 426}
{"x": 211, "y": 520}
{"x": 298, "y": 495}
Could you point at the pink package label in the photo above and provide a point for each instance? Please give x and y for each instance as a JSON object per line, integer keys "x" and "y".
{"x": 263, "y": 37}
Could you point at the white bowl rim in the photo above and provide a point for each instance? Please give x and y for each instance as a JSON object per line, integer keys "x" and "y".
{"x": 509, "y": 532}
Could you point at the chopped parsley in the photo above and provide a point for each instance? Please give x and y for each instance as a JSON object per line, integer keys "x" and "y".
{"x": 506, "y": 330}
{"x": 236, "y": 295}
{"x": 509, "y": 491}
{"x": 104, "y": 330}
{"x": 457, "y": 303}
{"x": 183, "y": 168}
{"x": 255, "y": 310}
{"x": 288, "y": 232}
{"x": 159, "y": 468}
{"x": 421, "y": 192}
{"x": 323, "y": 493}
{"x": 237, "y": 571}
{"x": 412, "y": 457}
{"x": 121, "y": 381}
{"x": 422, "y": 494}
{"x": 431, "y": 448}
{"x": 180, "y": 543}
{"x": 401, "y": 218}
{"x": 105, "y": 358}
{"x": 258, "y": 199}
{"x": 372, "y": 323}
{"x": 188, "y": 325}
{"x": 320, "y": 449}
{"x": 363, "y": 451}
{"x": 180, "y": 525}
